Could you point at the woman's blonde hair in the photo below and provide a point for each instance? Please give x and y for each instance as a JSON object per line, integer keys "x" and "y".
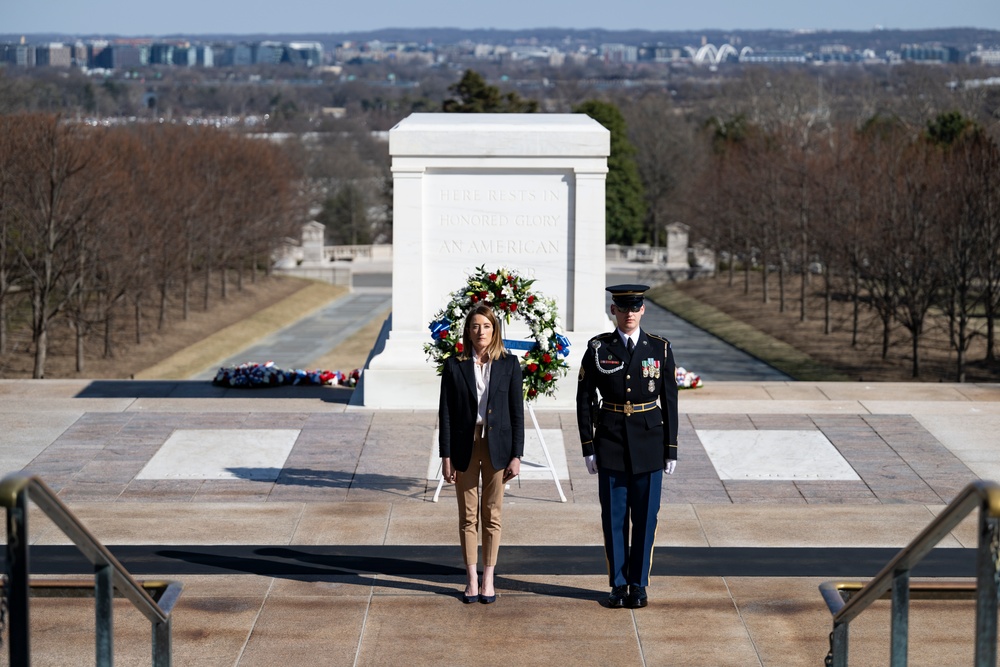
{"x": 495, "y": 349}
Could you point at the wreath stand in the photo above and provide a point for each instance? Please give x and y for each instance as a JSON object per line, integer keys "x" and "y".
{"x": 535, "y": 466}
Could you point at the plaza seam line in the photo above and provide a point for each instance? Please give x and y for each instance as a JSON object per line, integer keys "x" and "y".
{"x": 701, "y": 525}
{"x": 638, "y": 639}
{"x": 743, "y": 621}
{"x": 388, "y": 522}
{"x": 256, "y": 619}
{"x": 364, "y": 621}
{"x": 298, "y": 519}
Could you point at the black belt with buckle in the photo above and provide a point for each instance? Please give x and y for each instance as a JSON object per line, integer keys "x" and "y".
{"x": 629, "y": 407}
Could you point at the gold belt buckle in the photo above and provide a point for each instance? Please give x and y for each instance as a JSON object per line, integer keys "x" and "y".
{"x": 628, "y": 408}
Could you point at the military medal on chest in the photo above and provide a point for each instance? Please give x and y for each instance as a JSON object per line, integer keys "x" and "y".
{"x": 651, "y": 369}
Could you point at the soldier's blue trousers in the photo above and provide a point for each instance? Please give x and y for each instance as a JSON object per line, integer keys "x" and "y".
{"x": 629, "y": 504}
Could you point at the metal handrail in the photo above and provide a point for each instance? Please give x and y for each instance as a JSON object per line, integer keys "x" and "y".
{"x": 895, "y": 576}
{"x": 110, "y": 575}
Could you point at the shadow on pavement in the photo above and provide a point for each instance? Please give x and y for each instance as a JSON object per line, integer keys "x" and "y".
{"x": 205, "y": 389}
{"x": 337, "y": 479}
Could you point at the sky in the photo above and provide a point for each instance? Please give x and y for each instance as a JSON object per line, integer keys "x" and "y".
{"x": 194, "y": 17}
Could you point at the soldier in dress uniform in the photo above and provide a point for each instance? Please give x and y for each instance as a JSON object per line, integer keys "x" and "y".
{"x": 626, "y": 407}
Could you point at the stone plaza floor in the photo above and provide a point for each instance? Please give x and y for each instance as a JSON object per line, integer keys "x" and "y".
{"x": 304, "y": 530}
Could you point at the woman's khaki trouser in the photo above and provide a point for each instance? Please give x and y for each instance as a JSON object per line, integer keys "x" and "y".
{"x": 467, "y": 491}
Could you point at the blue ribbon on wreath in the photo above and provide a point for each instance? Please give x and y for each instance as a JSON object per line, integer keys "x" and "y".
{"x": 437, "y": 328}
{"x": 562, "y": 345}
{"x": 519, "y": 344}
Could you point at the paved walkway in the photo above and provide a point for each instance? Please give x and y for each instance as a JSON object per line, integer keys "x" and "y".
{"x": 304, "y": 532}
{"x": 695, "y": 349}
{"x": 301, "y": 343}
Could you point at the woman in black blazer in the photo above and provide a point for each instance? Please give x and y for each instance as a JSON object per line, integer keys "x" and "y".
{"x": 481, "y": 420}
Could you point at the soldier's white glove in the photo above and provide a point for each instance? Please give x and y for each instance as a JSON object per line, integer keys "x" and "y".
{"x": 669, "y": 467}
{"x": 591, "y": 464}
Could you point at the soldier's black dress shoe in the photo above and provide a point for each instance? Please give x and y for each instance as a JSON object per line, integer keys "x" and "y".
{"x": 616, "y": 600}
{"x": 637, "y": 597}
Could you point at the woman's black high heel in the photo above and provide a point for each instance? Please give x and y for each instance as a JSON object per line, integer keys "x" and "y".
{"x": 469, "y": 599}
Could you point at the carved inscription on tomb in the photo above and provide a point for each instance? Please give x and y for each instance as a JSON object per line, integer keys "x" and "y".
{"x": 480, "y": 218}
{"x": 518, "y": 220}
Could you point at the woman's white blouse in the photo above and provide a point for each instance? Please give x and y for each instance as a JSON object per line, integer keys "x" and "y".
{"x": 482, "y": 389}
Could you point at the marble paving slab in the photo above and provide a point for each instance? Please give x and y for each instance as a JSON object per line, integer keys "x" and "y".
{"x": 257, "y": 454}
{"x": 775, "y": 455}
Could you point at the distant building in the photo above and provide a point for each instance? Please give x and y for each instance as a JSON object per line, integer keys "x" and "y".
{"x": 983, "y": 56}
{"x": 309, "y": 54}
{"x": 619, "y": 53}
{"x": 268, "y": 53}
{"x": 773, "y": 57}
{"x": 660, "y": 53}
{"x": 924, "y": 53}
{"x": 161, "y": 54}
{"x": 205, "y": 55}
{"x": 54, "y": 55}
{"x": 184, "y": 56}
{"x": 119, "y": 56}
{"x": 233, "y": 55}
{"x": 19, "y": 55}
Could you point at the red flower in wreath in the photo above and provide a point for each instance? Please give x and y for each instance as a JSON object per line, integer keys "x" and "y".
{"x": 532, "y": 368}
{"x": 493, "y": 277}
{"x": 513, "y": 307}
{"x": 459, "y": 347}
{"x": 547, "y": 358}
{"x": 548, "y": 377}
{"x": 531, "y": 299}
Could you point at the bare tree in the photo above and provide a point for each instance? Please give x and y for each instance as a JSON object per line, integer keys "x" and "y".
{"x": 919, "y": 244}
{"x": 51, "y": 201}
{"x": 668, "y": 154}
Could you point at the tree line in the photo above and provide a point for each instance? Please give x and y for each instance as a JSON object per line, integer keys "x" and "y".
{"x": 903, "y": 221}
{"x": 102, "y": 224}
{"x": 750, "y": 159}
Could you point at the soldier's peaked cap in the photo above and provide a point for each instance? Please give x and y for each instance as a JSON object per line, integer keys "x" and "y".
{"x": 627, "y": 295}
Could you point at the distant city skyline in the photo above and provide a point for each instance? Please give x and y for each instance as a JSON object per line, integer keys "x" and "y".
{"x": 201, "y": 17}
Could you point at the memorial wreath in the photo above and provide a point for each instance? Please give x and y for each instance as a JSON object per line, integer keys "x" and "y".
{"x": 510, "y": 296}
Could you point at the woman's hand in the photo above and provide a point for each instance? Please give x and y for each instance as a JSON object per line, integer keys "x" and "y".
{"x": 513, "y": 470}
{"x": 447, "y": 471}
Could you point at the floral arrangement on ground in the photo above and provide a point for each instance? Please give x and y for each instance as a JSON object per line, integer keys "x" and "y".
{"x": 686, "y": 379}
{"x": 511, "y": 296}
{"x": 252, "y": 375}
